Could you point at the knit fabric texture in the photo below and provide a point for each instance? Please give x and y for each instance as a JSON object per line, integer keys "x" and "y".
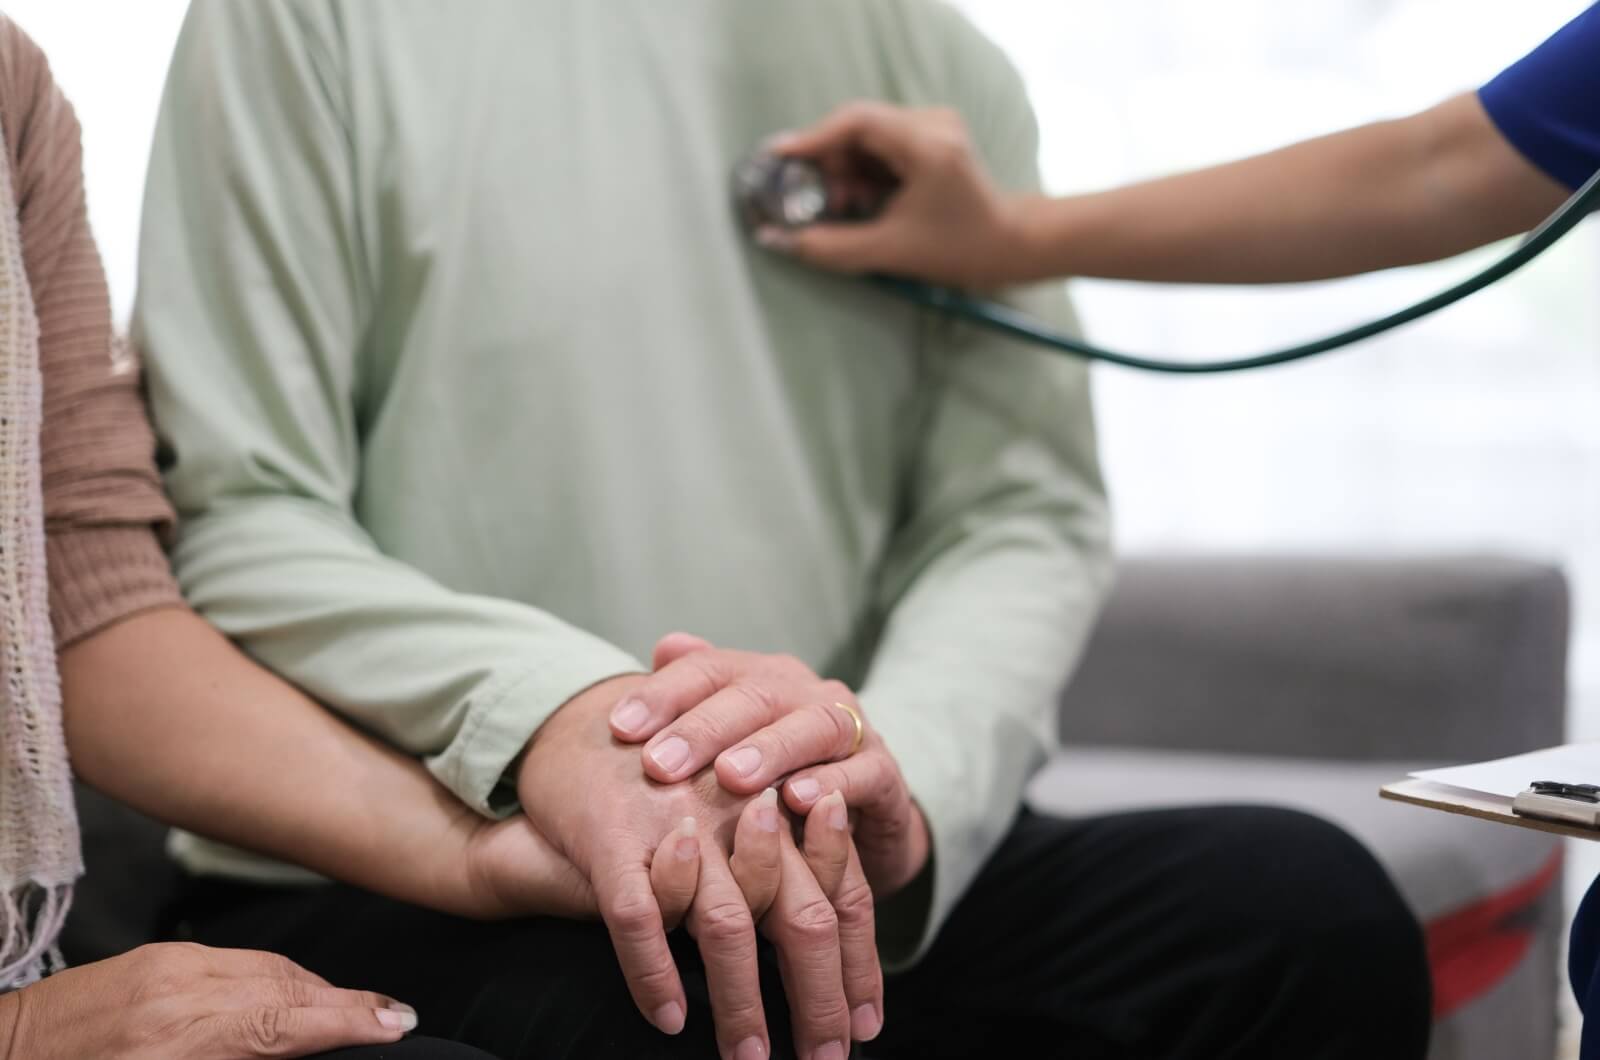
{"x": 39, "y": 853}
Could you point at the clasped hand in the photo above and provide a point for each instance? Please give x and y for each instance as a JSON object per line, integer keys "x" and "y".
{"x": 662, "y": 839}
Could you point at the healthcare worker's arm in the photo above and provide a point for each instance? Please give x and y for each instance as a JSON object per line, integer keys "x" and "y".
{"x": 1476, "y": 168}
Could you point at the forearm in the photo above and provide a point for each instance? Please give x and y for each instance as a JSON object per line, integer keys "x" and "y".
{"x": 1381, "y": 195}
{"x": 10, "y": 1005}
{"x": 164, "y": 714}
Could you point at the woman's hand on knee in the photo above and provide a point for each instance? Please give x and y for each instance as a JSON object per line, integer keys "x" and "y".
{"x": 183, "y": 1002}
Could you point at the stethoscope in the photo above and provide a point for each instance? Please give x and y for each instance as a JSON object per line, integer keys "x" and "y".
{"x": 792, "y": 193}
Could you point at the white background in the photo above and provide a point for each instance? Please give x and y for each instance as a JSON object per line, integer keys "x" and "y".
{"x": 1478, "y": 430}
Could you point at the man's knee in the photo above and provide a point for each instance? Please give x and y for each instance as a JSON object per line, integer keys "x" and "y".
{"x": 1346, "y": 947}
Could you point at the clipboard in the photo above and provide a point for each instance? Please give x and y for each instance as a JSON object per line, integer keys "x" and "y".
{"x": 1482, "y": 805}
{"x": 1487, "y": 790}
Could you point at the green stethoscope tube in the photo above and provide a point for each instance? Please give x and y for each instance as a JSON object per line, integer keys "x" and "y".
{"x": 1001, "y": 318}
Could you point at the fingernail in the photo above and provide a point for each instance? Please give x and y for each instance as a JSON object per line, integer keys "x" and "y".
{"x": 831, "y": 1051}
{"x": 688, "y": 847}
{"x": 778, "y": 140}
{"x": 750, "y": 1049}
{"x": 838, "y": 813}
{"x": 669, "y": 1017}
{"x": 745, "y": 760}
{"x": 767, "y": 810}
{"x": 630, "y": 715}
{"x": 774, "y": 238}
{"x": 864, "y": 1023}
{"x": 400, "y": 1006}
{"x": 396, "y": 1020}
{"x": 670, "y": 754}
{"x": 806, "y": 790}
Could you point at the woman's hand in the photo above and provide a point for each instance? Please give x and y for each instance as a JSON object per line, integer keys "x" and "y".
{"x": 944, "y": 220}
{"x": 183, "y": 1002}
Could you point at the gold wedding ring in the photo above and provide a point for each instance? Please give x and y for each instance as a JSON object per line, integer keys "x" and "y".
{"x": 861, "y": 729}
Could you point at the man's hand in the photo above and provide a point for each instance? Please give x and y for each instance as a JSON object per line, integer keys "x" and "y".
{"x": 764, "y": 718}
{"x": 182, "y": 1002}
{"x": 590, "y": 797}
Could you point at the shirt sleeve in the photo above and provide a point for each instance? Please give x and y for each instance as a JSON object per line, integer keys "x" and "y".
{"x": 102, "y": 495}
{"x": 254, "y": 302}
{"x": 1548, "y": 104}
{"x": 996, "y": 574}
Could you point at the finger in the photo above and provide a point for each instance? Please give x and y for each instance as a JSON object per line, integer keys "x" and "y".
{"x": 672, "y": 690}
{"x": 243, "y": 994}
{"x": 871, "y": 785}
{"x": 674, "y": 646}
{"x": 885, "y": 131}
{"x": 820, "y": 732}
{"x": 827, "y": 842}
{"x": 726, "y": 934}
{"x": 864, "y": 247}
{"x": 869, "y": 781}
{"x": 756, "y": 860}
{"x": 805, "y": 931}
{"x": 628, "y": 907}
{"x": 257, "y": 964}
{"x": 689, "y": 743}
{"x": 675, "y": 872}
{"x": 296, "y": 1031}
{"x": 838, "y": 872}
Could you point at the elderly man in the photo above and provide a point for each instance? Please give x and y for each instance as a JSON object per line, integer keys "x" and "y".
{"x": 473, "y": 391}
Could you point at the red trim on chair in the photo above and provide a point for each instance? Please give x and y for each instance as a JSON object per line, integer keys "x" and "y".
{"x": 1471, "y": 949}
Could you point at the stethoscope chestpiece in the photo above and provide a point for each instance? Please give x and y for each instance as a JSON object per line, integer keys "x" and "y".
{"x": 772, "y": 190}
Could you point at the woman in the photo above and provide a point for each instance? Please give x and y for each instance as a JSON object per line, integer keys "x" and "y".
{"x": 1476, "y": 168}
{"x": 164, "y": 713}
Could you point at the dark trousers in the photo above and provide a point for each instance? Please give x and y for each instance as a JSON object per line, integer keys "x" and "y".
{"x": 1583, "y": 968}
{"x": 1206, "y": 934}
{"x": 409, "y": 1049}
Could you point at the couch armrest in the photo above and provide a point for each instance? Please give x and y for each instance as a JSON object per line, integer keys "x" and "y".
{"x": 1449, "y": 659}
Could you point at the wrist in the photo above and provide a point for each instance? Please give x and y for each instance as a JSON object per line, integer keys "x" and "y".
{"x": 586, "y": 714}
{"x": 1028, "y": 240}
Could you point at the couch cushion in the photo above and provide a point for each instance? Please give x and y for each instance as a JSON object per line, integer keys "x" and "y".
{"x": 1440, "y": 862}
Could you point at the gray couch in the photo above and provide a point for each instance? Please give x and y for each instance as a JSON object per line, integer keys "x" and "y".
{"x": 1306, "y": 682}
{"x": 1311, "y": 682}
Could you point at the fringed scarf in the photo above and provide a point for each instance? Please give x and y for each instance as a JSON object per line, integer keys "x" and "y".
{"x": 39, "y": 852}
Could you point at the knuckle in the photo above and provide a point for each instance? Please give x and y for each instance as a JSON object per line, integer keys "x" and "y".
{"x": 632, "y": 914}
{"x": 853, "y": 904}
{"x": 756, "y": 698}
{"x": 814, "y": 922}
{"x": 726, "y": 923}
{"x": 837, "y": 722}
{"x": 659, "y": 980}
{"x": 266, "y": 1031}
{"x": 839, "y": 692}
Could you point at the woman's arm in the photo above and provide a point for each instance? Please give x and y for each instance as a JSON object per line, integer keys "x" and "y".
{"x": 1391, "y": 193}
{"x": 161, "y": 711}
{"x": 164, "y": 713}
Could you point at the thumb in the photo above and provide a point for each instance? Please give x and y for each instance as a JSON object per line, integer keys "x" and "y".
{"x": 842, "y": 247}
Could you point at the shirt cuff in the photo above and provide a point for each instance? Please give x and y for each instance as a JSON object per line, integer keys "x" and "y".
{"x": 101, "y": 576}
{"x": 506, "y": 714}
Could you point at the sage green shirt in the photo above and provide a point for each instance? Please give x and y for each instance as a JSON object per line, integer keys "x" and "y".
{"x": 472, "y": 387}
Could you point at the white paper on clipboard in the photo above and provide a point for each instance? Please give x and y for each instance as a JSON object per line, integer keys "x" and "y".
{"x": 1574, "y": 763}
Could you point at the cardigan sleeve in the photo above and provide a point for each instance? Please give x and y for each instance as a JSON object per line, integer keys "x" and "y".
{"x": 104, "y": 505}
